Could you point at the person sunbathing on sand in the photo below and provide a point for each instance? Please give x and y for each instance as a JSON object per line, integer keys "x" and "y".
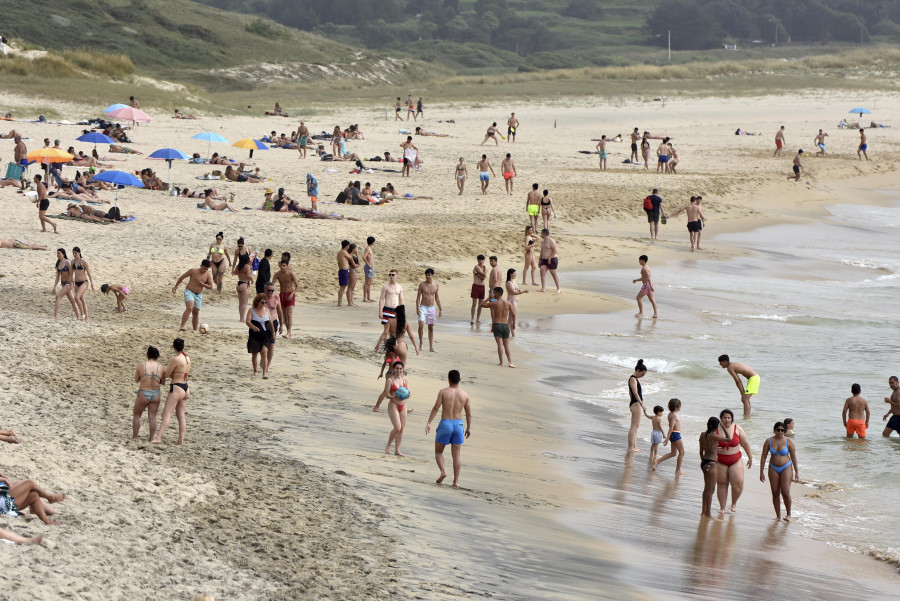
{"x": 34, "y": 540}
{"x": 87, "y": 213}
{"x": 16, "y": 497}
{"x": 13, "y": 243}
{"x": 82, "y": 160}
{"x": 122, "y": 149}
{"x": 210, "y": 192}
{"x": 180, "y": 115}
{"x": 219, "y": 160}
{"x": 422, "y": 132}
{"x": 236, "y": 174}
{"x": 8, "y": 181}
{"x": 389, "y": 159}
{"x": 215, "y": 206}
{"x": 66, "y": 193}
{"x": 11, "y": 135}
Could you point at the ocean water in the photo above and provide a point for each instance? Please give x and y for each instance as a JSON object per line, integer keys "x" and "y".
{"x": 812, "y": 309}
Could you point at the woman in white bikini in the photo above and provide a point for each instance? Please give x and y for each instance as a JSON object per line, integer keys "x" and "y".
{"x": 462, "y": 172}
{"x": 512, "y": 294}
{"x": 148, "y": 376}
{"x": 530, "y": 261}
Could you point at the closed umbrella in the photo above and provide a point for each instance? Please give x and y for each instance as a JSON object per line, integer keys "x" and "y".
{"x": 251, "y": 145}
{"x": 169, "y": 155}
{"x": 131, "y": 114}
{"x": 210, "y": 137}
{"x": 120, "y": 179}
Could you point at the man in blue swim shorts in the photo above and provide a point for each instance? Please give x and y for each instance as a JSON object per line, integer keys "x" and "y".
{"x": 198, "y": 279}
{"x": 863, "y": 146}
{"x": 451, "y": 402}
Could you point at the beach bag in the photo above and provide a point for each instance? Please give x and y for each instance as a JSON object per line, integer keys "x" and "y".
{"x": 648, "y": 204}
{"x": 114, "y": 213}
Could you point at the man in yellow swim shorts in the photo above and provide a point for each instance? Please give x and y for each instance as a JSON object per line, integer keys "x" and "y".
{"x": 737, "y": 370}
{"x": 533, "y": 205}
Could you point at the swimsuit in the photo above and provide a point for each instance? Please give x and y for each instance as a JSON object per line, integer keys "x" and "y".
{"x": 500, "y": 330}
{"x": 427, "y": 314}
{"x": 45, "y": 204}
{"x": 785, "y": 452}
{"x": 550, "y": 263}
{"x": 640, "y": 394}
{"x": 734, "y": 442}
{"x": 694, "y": 226}
{"x": 656, "y": 437}
{"x": 752, "y": 385}
{"x": 259, "y": 338}
{"x": 705, "y": 462}
{"x": 344, "y": 277}
{"x": 779, "y": 144}
{"x": 863, "y": 146}
{"x": 602, "y": 154}
{"x": 674, "y": 436}
{"x": 533, "y": 210}
{"x": 286, "y": 298}
{"x": 797, "y": 169}
{"x": 63, "y": 282}
{"x": 477, "y": 291}
{"x": 450, "y": 431}
{"x": 193, "y": 297}
{"x": 508, "y": 175}
{"x": 894, "y": 423}
{"x": 388, "y": 313}
{"x": 646, "y": 288}
{"x": 150, "y": 395}
{"x": 484, "y": 176}
{"x": 513, "y": 298}
{"x": 369, "y": 271}
{"x": 856, "y": 425}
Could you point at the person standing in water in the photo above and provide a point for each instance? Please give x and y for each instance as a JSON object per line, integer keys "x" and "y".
{"x": 736, "y": 370}
{"x": 636, "y": 404}
{"x": 856, "y": 413}
{"x": 894, "y": 401}
{"x": 646, "y": 288}
{"x": 782, "y": 469}
{"x": 709, "y": 459}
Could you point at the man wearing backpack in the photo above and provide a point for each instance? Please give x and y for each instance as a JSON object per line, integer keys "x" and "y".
{"x": 653, "y": 208}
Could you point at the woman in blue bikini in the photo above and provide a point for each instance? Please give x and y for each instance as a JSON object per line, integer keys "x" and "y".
{"x": 782, "y": 469}
{"x": 147, "y": 376}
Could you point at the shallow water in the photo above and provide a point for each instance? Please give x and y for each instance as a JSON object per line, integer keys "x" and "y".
{"x": 812, "y": 311}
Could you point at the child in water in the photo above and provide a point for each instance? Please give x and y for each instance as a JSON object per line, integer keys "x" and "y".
{"x": 656, "y": 436}
{"x": 674, "y": 436}
{"x": 120, "y": 290}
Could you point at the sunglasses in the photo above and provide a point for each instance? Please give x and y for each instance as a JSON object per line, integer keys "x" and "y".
{"x": 270, "y": 291}
{"x": 392, "y": 274}
{"x": 779, "y": 429}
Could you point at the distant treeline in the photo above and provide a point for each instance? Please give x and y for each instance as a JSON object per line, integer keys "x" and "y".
{"x": 702, "y": 24}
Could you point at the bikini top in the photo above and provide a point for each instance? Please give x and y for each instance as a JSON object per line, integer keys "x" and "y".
{"x": 79, "y": 266}
{"x": 734, "y": 442}
{"x": 394, "y": 387}
{"x": 154, "y": 375}
{"x": 548, "y": 203}
{"x": 783, "y": 451}
{"x": 188, "y": 360}
{"x": 65, "y": 266}
{"x": 215, "y": 250}
{"x": 645, "y": 144}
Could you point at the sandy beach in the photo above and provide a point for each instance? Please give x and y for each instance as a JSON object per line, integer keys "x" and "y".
{"x": 282, "y": 490}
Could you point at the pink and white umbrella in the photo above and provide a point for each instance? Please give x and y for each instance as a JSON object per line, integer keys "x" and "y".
{"x": 131, "y": 114}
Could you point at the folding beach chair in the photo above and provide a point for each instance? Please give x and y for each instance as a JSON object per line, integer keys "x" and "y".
{"x": 14, "y": 171}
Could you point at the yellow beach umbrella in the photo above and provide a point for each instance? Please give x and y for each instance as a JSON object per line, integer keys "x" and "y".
{"x": 251, "y": 145}
{"x": 49, "y": 155}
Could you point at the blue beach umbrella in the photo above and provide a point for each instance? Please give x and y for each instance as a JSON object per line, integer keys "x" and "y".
{"x": 210, "y": 137}
{"x": 96, "y": 138}
{"x": 114, "y": 107}
{"x": 120, "y": 179}
{"x": 169, "y": 155}
{"x": 861, "y": 111}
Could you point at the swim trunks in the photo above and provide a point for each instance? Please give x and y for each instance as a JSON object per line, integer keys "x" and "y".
{"x": 652, "y": 216}
{"x": 752, "y": 385}
{"x": 45, "y": 204}
{"x": 427, "y": 314}
{"x": 797, "y": 169}
{"x": 477, "y": 291}
{"x": 450, "y": 431}
{"x": 189, "y": 297}
{"x": 863, "y": 146}
{"x": 675, "y": 436}
{"x": 344, "y": 277}
{"x": 894, "y": 423}
{"x": 510, "y": 131}
{"x": 8, "y": 504}
{"x": 634, "y": 147}
{"x": 388, "y": 313}
{"x": 286, "y": 298}
{"x": 303, "y": 141}
{"x": 694, "y": 226}
{"x": 779, "y": 144}
{"x": 821, "y": 145}
{"x": 533, "y": 210}
{"x": 656, "y": 437}
{"x": 603, "y": 154}
{"x": 663, "y": 158}
{"x": 369, "y": 271}
{"x": 19, "y": 244}
{"x": 551, "y": 263}
{"x": 508, "y": 175}
{"x": 645, "y": 288}
{"x": 857, "y": 426}
{"x": 484, "y": 176}
{"x": 500, "y": 330}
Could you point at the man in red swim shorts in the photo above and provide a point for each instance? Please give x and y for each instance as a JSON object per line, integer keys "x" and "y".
{"x": 779, "y": 142}
{"x": 508, "y": 167}
{"x": 288, "y": 284}
{"x": 479, "y": 273}
{"x": 856, "y": 413}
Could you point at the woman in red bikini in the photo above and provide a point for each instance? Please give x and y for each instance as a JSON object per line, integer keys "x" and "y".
{"x": 396, "y": 407}
{"x": 391, "y": 356}
{"x": 730, "y": 470}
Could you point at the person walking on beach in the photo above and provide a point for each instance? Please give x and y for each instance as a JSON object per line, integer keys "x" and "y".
{"x": 646, "y": 288}
{"x": 549, "y": 260}
{"x": 673, "y": 436}
{"x": 390, "y": 298}
{"x": 43, "y": 204}
{"x": 820, "y": 142}
{"x": 636, "y": 404}
{"x": 312, "y": 190}
{"x": 656, "y": 434}
{"x": 601, "y": 150}
{"x": 653, "y": 207}
{"x": 148, "y": 376}
{"x": 428, "y": 305}
{"x": 484, "y": 165}
{"x": 398, "y": 106}
{"x": 645, "y": 150}
{"x": 410, "y": 156}
{"x": 287, "y": 286}
{"x": 198, "y": 278}
{"x": 410, "y": 108}
{"x": 863, "y": 147}
{"x": 547, "y": 208}
{"x": 512, "y": 124}
{"x": 736, "y": 370}
{"x": 533, "y": 205}
{"x": 302, "y": 139}
{"x": 368, "y": 269}
{"x": 277, "y": 313}
{"x": 260, "y": 334}
{"x": 398, "y": 394}
{"x": 64, "y": 279}
{"x": 779, "y": 142}
{"x": 479, "y": 274}
{"x": 177, "y": 373}
{"x": 782, "y": 469}
{"x": 343, "y": 261}
{"x": 420, "y": 110}
{"x": 894, "y": 411}
{"x": 856, "y": 413}
{"x": 508, "y": 169}
{"x": 695, "y": 221}
{"x": 81, "y": 276}
{"x": 635, "y": 136}
{"x": 451, "y": 402}
{"x": 730, "y": 469}
{"x": 264, "y": 273}
{"x": 499, "y": 308}
{"x": 244, "y": 271}
{"x": 797, "y": 166}
{"x": 709, "y": 457}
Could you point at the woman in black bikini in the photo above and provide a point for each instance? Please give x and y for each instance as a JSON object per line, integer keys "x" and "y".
{"x": 353, "y": 275}
{"x": 148, "y": 376}
{"x": 64, "y": 279}
{"x": 709, "y": 458}
{"x": 645, "y": 150}
{"x": 217, "y": 255}
{"x": 636, "y": 404}
{"x": 81, "y": 275}
{"x": 176, "y": 400}
{"x": 244, "y": 271}
{"x": 547, "y": 208}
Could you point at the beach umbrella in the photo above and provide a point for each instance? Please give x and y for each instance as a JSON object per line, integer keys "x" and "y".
{"x": 169, "y": 155}
{"x": 131, "y": 114}
{"x": 95, "y": 137}
{"x": 120, "y": 179}
{"x": 210, "y": 137}
{"x": 251, "y": 145}
{"x": 861, "y": 111}
{"x": 114, "y": 107}
{"x": 49, "y": 155}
